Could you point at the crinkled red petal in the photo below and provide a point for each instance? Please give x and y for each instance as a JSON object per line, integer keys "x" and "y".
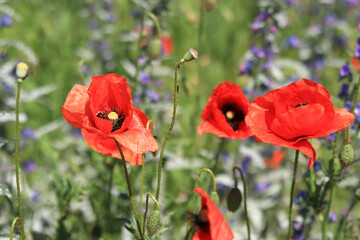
{"x": 74, "y": 106}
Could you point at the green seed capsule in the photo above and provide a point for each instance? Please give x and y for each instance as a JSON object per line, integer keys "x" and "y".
{"x": 346, "y": 155}
{"x": 153, "y": 222}
{"x": 234, "y": 199}
{"x": 154, "y": 49}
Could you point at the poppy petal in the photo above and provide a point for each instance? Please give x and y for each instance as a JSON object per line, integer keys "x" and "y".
{"x": 74, "y": 106}
{"x": 107, "y": 147}
{"x": 219, "y": 229}
{"x": 137, "y": 138}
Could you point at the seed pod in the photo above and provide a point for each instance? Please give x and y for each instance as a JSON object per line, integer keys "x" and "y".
{"x": 215, "y": 198}
{"x": 234, "y": 199}
{"x": 153, "y": 222}
{"x": 346, "y": 155}
{"x": 190, "y": 55}
{"x": 154, "y": 49}
{"x": 22, "y": 70}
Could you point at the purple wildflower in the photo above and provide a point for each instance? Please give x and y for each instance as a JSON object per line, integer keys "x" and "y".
{"x": 6, "y": 20}
{"x": 144, "y": 78}
{"x": 348, "y": 105}
{"x": 29, "y": 166}
{"x": 357, "y": 112}
{"x": 357, "y": 49}
{"x": 262, "y": 187}
{"x": 329, "y": 20}
{"x": 332, "y": 217}
{"x": 245, "y": 164}
{"x": 344, "y": 91}
{"x": 331, "y": 137}
{"x": 344, "y": 71}
{"x": 154, "y": 96}
{"x": 301, "y": 196}
{"x": 293, "y": 41}
{"x": 28, "y": 133}
{"x": 317, "y": 166}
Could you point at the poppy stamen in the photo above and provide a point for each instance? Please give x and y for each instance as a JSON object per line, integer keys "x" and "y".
{"x": 230, "y": 114}
{"x": 301, "y": 104}
{"x": 233, "y": 115}
{"x": 114, "y": 115}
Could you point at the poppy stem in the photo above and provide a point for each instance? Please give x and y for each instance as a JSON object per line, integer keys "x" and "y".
{"x": 292, "y": 194}
{"x": 177, "y": 67}
{"x": 325, "y": 220}
{"x": 339, "y": 233}
{"x": 245, "y": 196}
{"x": 155, "y": 20}
{"x": 110, "y": 184}
{"x": 17, "y": 164}
{"x": 217, "y": 156}
{"x": 142, "y": 190}
{"x": 12, "y": 227}
{"x": 130, "y": 191}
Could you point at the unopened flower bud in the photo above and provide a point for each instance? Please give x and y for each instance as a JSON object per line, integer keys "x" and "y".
{"x": 154, "y": 49}
{"x": 22, "y": 70}
{"x": 153, "y": 222}
{"x": 210, "y": 4}
{"x": 234, "y": 199}
{"x": 346, "y": 155}
{"x": 190, "y": 55}
{"x": 215, "y": 198}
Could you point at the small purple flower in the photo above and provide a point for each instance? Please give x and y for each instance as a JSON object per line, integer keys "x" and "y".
{"x": 273, "y": 28}
{"x": 332, "y": 217}
{"x": 258, "y": 51}
{"x": 357, "y": 49}
{"x": 36, "y": 196}
{"x": 6, "y": 20}
{"x": 245, "y": 164}
{"x": 104, "y": 46}
{"x": 225, "y": 156}
{"x": 29, "y": 166}
{"x": 344, "y": 71}
{"x": 319, "y": 63}
{"x": 256, "y": 26}
{"x": 344, "y": 91}
{"x": 266, "y": 66}
{"x": 348, "y": 105}
{"x": 154, "y": 96}
{"x": 137, "y": 100}
{"x": 141, "y": 59}
{"x": 301, "y": 196}
{"x": 136, "y": 13}
{"x": 317, "y": 166}
{"x": 144, "y": 78}
{"x": 298, "y": 231}
{"x": 6, "y": 87}
{"x": 93, "y": 24}
{"x": 107, "y": 5}
{"x": 351, "y": 3}
{"x": 76, "y": 133}
{"x": 262, "y": 187}
{"x": 331, "y": 137}
{"x": 357, "y": 112}
{"x": 246, "y": 69}
{"x": 291, "y": 2}
{"x": 293, "y": 41}
{"x": 28, "y": 133}
{"x": 329, "y": 20}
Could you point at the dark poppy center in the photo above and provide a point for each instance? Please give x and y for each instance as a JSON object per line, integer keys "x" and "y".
{"x": 199, "y": 222}
{"x": 300, "y": 104}
{"x": 233, "y": 115}
{"x": 114, "y": 115}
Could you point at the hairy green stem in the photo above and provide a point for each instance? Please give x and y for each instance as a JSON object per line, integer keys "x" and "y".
{"x": 129, "y": 190}
{"x": 339, "y": 233}
{"x": 292, "y": 193}
{"x": 12, "y": 227}
{"x": 218, "y": 153}
{"x": 325, "y": 220}
{"x": 196, "y": 183}
{"x": 245, "y": 197}
{"x": 155, "y": 20}
{"x": 17, "y": 164}
{"x": 177, "y": 67}
{"x": 142, "y": 189}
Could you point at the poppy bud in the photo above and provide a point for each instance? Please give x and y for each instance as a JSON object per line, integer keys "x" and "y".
{"x": 215, "y": 198}
{"x": 154, "y": 49}
{"x": 234, "y": 199}
{"x": 346, "y": 155}
{"x": 153, "y": 223}
{"x": 357, "y": 193}
{"x": 210, "y": 4}
{"x": 190, "y": 55}
{"x": 22, "y": 70}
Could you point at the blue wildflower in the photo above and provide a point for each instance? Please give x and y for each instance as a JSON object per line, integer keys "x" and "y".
{"x": 144, "y": 78}
{"x": 301, "y": 196}
{"x": 29, "y": 166}
{"x": 332, "y": 217}
{"x": 262, "y": 187}
{"x": 28, "y": 133}
{"x": 331, "y": 137}
{"x": 245, "y": 164}
{"x": 293, "y": 41}
{"x": 344, "y": 70}
{"x": 6, "y": 21}
{"x": 348, "y": 105}
{"x": 317, "y": 166}
{"x": 344, "y": 91}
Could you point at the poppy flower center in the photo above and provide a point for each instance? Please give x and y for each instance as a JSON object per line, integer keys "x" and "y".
{"x": 114, "y": 115}
{"x": 200, "y": 221}
{"x": 233, "y": 115}
{"x": 301, "y": 104}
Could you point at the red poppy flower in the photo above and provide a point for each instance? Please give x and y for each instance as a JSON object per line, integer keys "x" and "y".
{"x": 210, "y": 223}
{"x": 167, "y": 45}
{"x": 355, "y": 63}
{"x": 225, "y": 111}
{"x": 104, "y": 111}
{"x": 290, "y": 115}
{"x": 276, "y": 159}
